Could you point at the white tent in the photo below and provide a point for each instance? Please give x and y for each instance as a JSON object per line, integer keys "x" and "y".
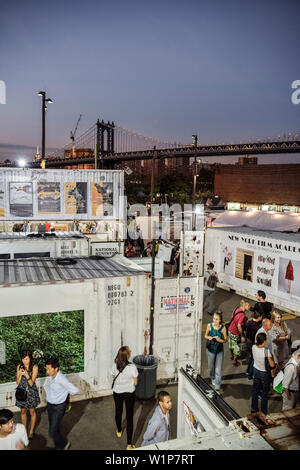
{"x": 279, "y": 221}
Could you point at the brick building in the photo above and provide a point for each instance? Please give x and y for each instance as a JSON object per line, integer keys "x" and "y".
{"x": 260, "y": 184}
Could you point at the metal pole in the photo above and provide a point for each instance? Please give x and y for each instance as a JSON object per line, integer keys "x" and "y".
{"x": 43, "y": 124}
{"x": 152, "y": 302}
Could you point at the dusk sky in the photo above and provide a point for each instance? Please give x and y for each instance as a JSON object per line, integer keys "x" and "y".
{"x": 163, "y": 69}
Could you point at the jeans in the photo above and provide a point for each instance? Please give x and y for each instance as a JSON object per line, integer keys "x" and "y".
{"x": 261, "y": 385}
{"x": 55, "y": 416}
{"x": 250, "y": 367}
{"x": 210, "y": 294}
{"x": 215, "y": 363}
{"x": 129, "y": 405}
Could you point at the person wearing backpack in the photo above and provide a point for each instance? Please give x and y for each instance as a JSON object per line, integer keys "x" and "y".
{"x": 236, "y": 330}
{"x": 216, "y": 336}
{"x": 290, "y": 382}
{"x": 210, "y": 283}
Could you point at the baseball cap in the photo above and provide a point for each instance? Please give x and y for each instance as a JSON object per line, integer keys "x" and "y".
{"x": 211, "y": 265}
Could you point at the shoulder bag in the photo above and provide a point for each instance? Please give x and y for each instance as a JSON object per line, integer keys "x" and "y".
{"x": 113, "y": 383}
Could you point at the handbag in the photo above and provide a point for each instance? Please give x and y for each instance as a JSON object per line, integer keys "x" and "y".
{"x": 21, "y": 393}
{"x": 267, "y": 364}
{"x": 113, "y": 383}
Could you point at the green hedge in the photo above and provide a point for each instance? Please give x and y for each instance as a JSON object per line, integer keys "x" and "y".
{"x": 59, "y": 334}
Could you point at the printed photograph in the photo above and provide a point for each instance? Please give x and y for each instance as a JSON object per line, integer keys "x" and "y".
{"x": 20, "y": 199}
{"x": 48, "y": 198}
{"x": 59, "y": 334}
{"x": 288, "y": 277}
{"x": 244, "y": 264}
{"x": 76, "y": 198}
{"x": 102, "y": 199}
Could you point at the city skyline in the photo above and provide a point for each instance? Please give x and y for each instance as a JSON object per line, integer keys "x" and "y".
{"x": 166, "y": 70}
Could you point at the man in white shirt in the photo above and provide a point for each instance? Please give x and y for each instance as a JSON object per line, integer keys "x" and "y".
{"x": 12, "y": 436}
{"x": 290, "y": 382}
{"x": 58, "y": 391}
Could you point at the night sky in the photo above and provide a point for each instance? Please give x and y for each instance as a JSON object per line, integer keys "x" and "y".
{"x": 163, "y": 69}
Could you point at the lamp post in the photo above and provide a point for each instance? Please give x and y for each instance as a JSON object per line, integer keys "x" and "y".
{"x": 44, "y": 107}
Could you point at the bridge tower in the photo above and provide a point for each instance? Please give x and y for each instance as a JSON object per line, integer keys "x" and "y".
{"x": 105, "y": 143}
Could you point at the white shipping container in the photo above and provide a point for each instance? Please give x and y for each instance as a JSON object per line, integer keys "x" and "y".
{"x": 248, "y": 260}
{"x": 114, "y": 299}
{"x": 43, "y": 194}
{"x": 177, "y": 324}
{"x": 60, "y": 244}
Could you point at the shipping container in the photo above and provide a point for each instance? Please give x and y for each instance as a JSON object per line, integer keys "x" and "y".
{"x": 84, "y": 309}
{"x": 31, "y": 245}
{"x": 177, "y": 324}
{"x": 248, "y": 260}
{"x": 205, "y": 421}
{"x": 43, "y": 194}
{"x": 81, "y": 309}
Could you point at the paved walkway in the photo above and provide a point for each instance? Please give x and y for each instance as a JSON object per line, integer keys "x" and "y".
{"x": 90, "y": 423}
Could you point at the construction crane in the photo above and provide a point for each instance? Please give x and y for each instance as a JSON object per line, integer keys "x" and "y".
{"x": 72, "y": 136}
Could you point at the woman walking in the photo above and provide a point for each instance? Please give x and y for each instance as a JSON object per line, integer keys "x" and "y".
{"x": 27, "y": 373}
{"x": 280, "y": 335}
{"x": 124, "y": 382}
{"x": 216, "y": 336}
{"x": 261, "y": 376}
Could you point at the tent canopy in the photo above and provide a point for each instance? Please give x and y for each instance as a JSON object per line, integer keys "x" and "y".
{"x": 278, "y": 221}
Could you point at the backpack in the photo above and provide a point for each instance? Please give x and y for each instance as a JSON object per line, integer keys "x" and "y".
{"x": 277, "y": 382}
{"x": 212, "y": 281}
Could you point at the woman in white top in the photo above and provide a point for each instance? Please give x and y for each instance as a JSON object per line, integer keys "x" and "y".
{"x": 261, "y": 376}
{"x": 125, "y": 380}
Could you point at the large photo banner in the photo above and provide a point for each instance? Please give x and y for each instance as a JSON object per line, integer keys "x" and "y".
{"x": 76, "y": 198}
{"x": 54, "y": 334}
{"x": 20, "y": 199}
{"x": 49, "y": 198}
{"x": 102, "y": 199}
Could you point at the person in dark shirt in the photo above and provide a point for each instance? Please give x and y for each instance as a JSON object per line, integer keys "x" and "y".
{"x": 252, "y": 326}
{"x": 262, "y": 305}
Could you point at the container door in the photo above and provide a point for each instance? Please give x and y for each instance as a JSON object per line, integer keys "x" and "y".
{"x": 177, "y": 324}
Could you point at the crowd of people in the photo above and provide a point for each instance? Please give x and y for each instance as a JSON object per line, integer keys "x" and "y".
{"x": 260, "y": 333}
{"x": 16, "y": 436}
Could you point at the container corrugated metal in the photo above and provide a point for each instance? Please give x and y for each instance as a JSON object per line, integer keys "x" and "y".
{"x": 248, "y": 260}
{"x": 31, "y": 245}
{"x": 113, "y": 296}
{"x": 43, "y": 194}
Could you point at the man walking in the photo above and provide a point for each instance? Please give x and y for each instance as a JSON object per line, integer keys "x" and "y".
{"x": 262, "y": 306}
{"x": 58, "y": 391}
{"x": 158, "y": 429}
{"x": 210, "y": 282}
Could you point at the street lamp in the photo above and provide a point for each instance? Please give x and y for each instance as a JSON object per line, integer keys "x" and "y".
{"x": 44, "y": 107}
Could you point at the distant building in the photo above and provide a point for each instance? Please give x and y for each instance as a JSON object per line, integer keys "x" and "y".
{"x": 258, "y": 184}
{"x": 247, "y": 160}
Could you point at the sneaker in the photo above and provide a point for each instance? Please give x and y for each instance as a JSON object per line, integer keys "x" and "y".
{"x": 236, "y": 363}
{"x": 219, "y": 391}
{"x": 119, "y": 434}
{"x": 68, "y": 408}
{"x": 130, "y": 447}
{"x": 213, "y": 383}
{"x": 67, "y": 446}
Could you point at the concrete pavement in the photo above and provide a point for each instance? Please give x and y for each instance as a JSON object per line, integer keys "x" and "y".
{"x": 90, "y": 423}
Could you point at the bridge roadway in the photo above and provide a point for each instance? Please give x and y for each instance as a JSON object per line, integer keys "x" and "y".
{"x": 108, "y": 160}
{"x": 90, "y": 423}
